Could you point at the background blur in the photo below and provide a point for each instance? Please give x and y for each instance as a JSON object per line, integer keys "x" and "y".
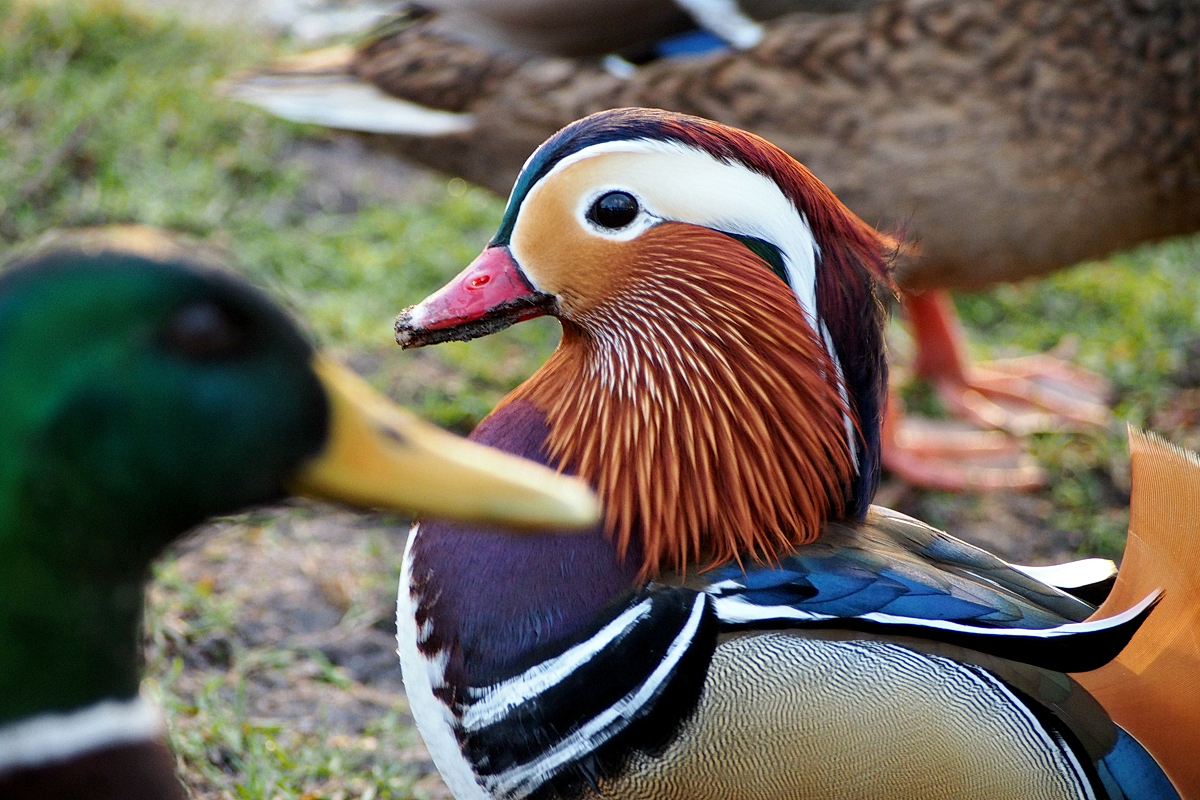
{"x": 270, "y": 636}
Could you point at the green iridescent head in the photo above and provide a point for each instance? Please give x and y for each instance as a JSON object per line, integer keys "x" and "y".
{"x": 142, "y": 392}
{"x": 137, "y": 398}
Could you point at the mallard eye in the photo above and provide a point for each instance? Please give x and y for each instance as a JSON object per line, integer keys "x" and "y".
{"x": 205, "y": 330}
{"x": 613, "y": 210}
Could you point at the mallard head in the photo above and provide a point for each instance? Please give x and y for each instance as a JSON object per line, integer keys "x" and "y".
{"x": 722, "y": 367}
{"x": 142, "y": 392}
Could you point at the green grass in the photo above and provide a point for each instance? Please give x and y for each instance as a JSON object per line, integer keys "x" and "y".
{"x": 1134, "y": 318}
{"x": 214, "y": 735}
{"x": 108, "y": 116}
{"x": 216, "y": 682}
{"x": 1131, "y": 318}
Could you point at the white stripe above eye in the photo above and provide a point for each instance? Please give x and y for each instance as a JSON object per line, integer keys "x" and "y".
{"x": 679, "y": 183}
{"x": 48, "y": 738}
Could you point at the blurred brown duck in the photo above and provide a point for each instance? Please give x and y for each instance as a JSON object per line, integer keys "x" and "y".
{"x": 1005, "y": 138}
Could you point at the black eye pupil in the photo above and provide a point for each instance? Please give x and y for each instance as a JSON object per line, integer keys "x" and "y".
{"x": 205, "y": 330}
{"x": 614, "y": 210}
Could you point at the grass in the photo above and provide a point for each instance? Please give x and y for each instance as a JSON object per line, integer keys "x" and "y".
{"x": 257, "y": 710}
{"x": 214, "y": 734}
{"x": 1134, "y": 318}
{"x": 110, "y": 116}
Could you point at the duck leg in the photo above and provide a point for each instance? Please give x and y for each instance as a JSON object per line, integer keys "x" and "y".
{"x": 954, "y": 455}
{"x": 999, "y": 400}
{"x": 1018, "y": 395}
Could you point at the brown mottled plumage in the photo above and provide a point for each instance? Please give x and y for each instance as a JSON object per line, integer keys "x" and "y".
{"x": 1011, "y": 137}
{"x": 703, "y": 419}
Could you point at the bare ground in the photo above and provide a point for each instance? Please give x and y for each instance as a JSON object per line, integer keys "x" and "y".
{"x": 282, "y": 626}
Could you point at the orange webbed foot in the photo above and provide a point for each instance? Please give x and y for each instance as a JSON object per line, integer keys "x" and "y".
{"x": 995, "y": 403}
{"x": 1028, "y": 394}
{"x": 954, "y": 456}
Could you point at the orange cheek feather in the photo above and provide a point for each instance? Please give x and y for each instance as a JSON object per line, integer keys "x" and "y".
{"x": 582, "y": 269}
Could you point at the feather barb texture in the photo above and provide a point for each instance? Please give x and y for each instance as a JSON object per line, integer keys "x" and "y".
{"x": 700, "y": 404}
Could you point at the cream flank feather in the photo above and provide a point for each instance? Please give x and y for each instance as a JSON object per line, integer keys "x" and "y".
{"x": 1152, "y": 689}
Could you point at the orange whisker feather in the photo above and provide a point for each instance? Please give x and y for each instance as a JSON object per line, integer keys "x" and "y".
{"x": 697, "y": 403}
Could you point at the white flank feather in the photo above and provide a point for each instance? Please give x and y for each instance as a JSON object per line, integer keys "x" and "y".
{"x": 1073, "y": 574}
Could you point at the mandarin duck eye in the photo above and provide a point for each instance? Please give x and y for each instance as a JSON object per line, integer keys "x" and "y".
{"x": 613, "y": 210}
{"x": 205, "y": 330}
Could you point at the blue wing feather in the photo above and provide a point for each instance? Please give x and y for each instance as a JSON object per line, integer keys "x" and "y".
{"x": 1128, "y": 772}
{"x": 895, "y": 576}
{"x": 893, "y": 565}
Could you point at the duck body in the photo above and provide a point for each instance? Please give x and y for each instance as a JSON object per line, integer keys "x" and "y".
{"x": 708, "y": 688}
{"x": 141, "y": 392}
{"x": 743, "y": 623}
{"x": 591, "y": 28}
{"x": 576, "y": 29}
{"x": 867, "y": 664}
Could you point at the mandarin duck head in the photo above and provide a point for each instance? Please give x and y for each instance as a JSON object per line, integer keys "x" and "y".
{"x": 721, "y": 372}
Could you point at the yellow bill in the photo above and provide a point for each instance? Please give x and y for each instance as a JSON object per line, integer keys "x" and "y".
{"x": 381, "y": 456}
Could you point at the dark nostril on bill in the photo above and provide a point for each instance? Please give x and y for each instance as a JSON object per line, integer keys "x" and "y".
{"x": 392, "y": 434}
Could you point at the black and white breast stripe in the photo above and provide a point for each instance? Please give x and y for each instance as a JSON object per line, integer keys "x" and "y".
{"x": 575, "y": 716}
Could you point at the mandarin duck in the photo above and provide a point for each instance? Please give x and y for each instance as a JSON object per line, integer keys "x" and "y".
{"x": 743, "y": 623}
{"x": 142, "y": 392}
{"x": 1005, "y": 139}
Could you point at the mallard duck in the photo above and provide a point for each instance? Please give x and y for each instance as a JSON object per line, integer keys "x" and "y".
{"x": 1006, "y": 139}
{"x": 142, "y": 392}
{"x": 744, "y": 623}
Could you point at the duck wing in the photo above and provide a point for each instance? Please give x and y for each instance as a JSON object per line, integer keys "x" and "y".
{"x": 894, "y": 575}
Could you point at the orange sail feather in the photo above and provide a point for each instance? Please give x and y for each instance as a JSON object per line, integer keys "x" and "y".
{"x": 1153, "y": 688}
